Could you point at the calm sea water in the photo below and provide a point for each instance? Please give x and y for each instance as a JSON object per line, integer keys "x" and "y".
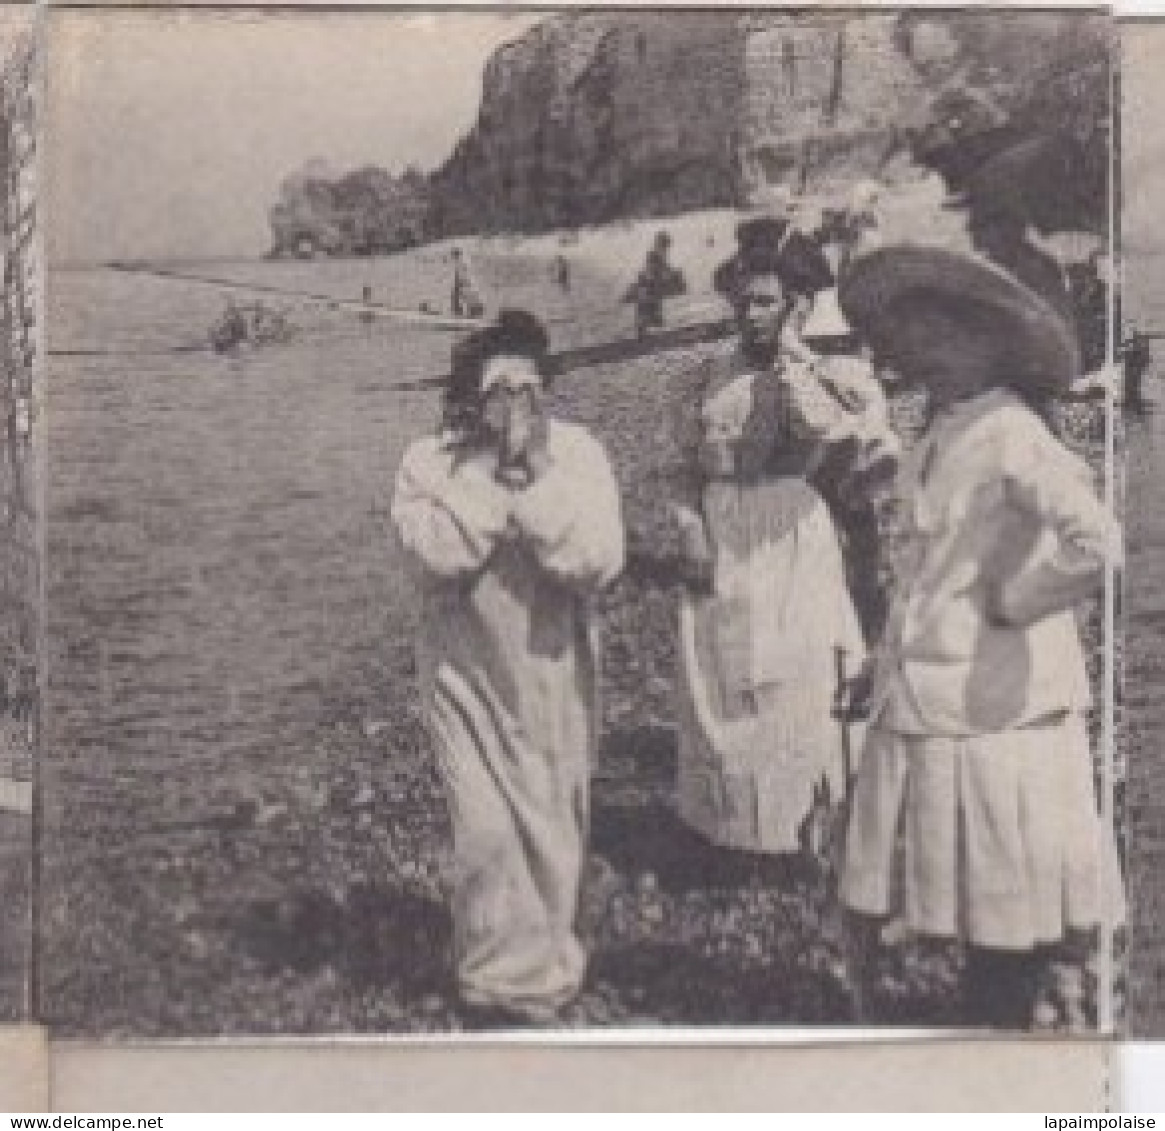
{"x": 216, "y": 559}
{"x": 220, "y": 579}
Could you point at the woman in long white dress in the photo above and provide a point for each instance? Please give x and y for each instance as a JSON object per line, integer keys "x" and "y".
{"x": 759, "y": 645}
{"x": 513, "y": 524}
{"x": 767, "y": 620}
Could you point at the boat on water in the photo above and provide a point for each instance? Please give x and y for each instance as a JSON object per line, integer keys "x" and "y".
{"x": 250, "y": 325}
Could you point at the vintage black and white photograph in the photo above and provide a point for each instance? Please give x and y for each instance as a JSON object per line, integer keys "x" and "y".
{"x": 580, "y": 520}
{"x": 19, "y": 541}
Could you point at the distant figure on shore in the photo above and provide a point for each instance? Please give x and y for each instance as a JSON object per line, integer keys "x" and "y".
{"x": 366, "y": 298}
{"x": 562, "y": 273}
{"x": 465, "y": 301}
{"x": 657, "y": 281}
{"x": 1137, "y": 357}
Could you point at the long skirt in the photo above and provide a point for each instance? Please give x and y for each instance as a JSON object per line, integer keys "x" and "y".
{"x": 992, "y": 838}
{"x": 760, "y": 753}
{"x": 518, "y": 805}
{"x": 755, "y": 786}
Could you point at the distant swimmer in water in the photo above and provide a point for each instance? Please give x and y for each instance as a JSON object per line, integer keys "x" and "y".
{"x": 658, "y": 280}
{"x": 465, "y": 301}
{"x": 231, "y": 330}
{"x": 254, "y": 324}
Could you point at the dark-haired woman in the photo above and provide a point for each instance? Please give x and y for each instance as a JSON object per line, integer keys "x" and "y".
{"x": 766, "y": 610}
{"x": 513, "y": 522}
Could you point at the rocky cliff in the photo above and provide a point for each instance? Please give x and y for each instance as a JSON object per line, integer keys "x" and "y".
{"x": 596, "y": 115}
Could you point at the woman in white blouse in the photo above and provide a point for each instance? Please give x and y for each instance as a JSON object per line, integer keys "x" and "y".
{"x": 977, "y": 754}
{"x": 766, "y": 618}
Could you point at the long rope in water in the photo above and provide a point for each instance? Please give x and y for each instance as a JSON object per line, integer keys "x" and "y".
{"x": 576, "y": 357}
{"x": 420, "y": 318}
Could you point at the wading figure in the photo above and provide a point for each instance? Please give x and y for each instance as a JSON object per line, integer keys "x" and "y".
{"x": 766, "y": 610}
{"x": 464, "y": 300}
{"x": 977, "y": 754}
{"x": 513, "y": 523}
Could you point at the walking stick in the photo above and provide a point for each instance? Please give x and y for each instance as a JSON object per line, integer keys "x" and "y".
{"x": 855, "y": 940}
{"x": 839, "y": 655}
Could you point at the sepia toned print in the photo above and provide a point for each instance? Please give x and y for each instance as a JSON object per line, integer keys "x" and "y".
{"x": 577, "y": 520}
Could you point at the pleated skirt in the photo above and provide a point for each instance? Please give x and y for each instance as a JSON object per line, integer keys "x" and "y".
{"x": 992, "y": 838}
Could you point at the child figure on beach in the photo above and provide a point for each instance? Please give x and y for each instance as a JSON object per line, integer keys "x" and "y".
{"x": 513, "y": 523}
{"x": 767, "y": 610}
{"x": 974, "y": 814}
{"x": 464, "y": 299}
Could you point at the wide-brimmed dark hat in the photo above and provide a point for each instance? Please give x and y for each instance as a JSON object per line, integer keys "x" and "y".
{"x": 877, "y": 288}
{"x": 767, "y": 245}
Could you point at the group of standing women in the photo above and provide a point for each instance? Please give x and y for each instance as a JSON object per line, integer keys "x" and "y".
{"x": 952, "y": 721}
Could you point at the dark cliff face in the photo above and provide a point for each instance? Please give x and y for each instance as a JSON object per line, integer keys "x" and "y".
{"x": 596, "y": 115}
{"x": 593, "y": 116}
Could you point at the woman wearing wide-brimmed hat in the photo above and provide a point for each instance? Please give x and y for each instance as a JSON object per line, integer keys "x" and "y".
{"x": 977, "y": 755}
{"x": 767, "y": 608}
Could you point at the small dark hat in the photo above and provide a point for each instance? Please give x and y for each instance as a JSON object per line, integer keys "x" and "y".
{"x": 767, "y": 245}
